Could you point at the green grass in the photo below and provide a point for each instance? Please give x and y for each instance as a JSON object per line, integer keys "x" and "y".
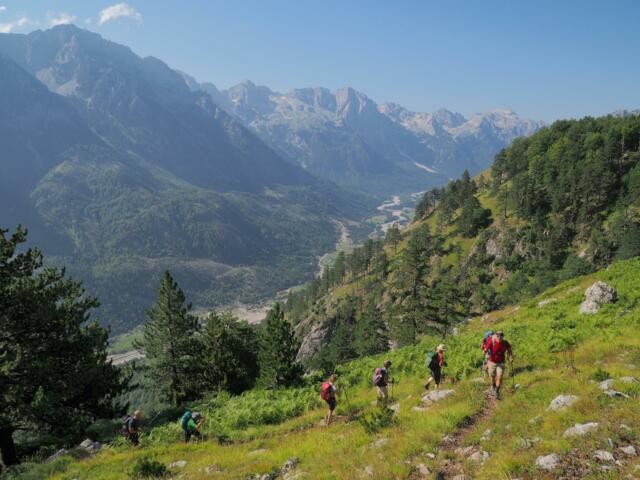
{"x": 124, "y": 342}
{"x": 558, "y": 351}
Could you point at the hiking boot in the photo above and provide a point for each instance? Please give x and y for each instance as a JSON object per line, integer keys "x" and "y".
{"x": 494, "y": 391}
{"x": 497, "y": 394}
{"x": 426, "y": 386}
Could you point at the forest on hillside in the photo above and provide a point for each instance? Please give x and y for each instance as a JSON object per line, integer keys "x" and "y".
{"x": 561, "y": 203}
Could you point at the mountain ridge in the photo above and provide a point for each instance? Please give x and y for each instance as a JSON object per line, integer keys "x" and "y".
{"x": 120, "y": 171}
{"x": 369, "y": 140}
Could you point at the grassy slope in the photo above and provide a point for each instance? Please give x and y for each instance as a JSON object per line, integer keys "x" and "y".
{"x": 558, "y": 352}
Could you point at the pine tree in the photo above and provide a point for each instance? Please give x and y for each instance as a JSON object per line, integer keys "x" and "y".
{"x": 229, "y": 350}
{"x": 371, "y": 334}
{"x": 54, "y": 374}
{"x": 278, "y": 350}
{"x": 170, "y": 344}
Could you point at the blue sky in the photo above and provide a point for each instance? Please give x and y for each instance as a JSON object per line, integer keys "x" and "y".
{"x": 544, "y": 59}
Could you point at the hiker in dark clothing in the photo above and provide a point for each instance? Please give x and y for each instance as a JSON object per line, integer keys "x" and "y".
{"x": 191, "y": 423}
{"x": 496, "y": 349}
{"x": 132, "y": 428}
{"x": 328, "y": 394}
{"x": 435, "y": 362}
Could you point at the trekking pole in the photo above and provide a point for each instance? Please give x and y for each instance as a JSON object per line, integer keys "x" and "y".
{"x": 153, "y": 419}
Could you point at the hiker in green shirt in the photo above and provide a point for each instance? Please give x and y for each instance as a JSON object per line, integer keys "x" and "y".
{"x": 191, "y": 423}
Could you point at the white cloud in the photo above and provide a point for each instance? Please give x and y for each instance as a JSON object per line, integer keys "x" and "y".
{"x": 119, "y": 10}
{"x": 62, "y": 19}
{"x": 11, "y": 26}
{"x": 3, "y": 8}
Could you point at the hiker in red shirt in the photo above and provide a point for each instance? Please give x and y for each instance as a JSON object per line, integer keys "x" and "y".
{"x": 328, "y": 394}
{"x": 496, "y": 349}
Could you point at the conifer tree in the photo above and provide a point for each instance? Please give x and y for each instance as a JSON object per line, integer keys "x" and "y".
{"x": 229, "y": 350}
{"x": 371, "y": 335}
{"x": 170, "y": 344}
{"x": 278, "y": 350}
{"x": 55, "y": 378}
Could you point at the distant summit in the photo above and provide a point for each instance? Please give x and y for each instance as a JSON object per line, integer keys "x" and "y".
{"x": 347, "y": 137}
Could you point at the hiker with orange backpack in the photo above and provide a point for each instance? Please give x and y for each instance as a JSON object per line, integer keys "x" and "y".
{"x": 328, "y": 394}
{"x": 496, "y": 349}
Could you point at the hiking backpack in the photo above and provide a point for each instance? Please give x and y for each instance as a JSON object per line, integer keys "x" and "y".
{"x": 486, "y": 337}
{"x": 184, "y": 421}
{"x": 326, "y": 393}
{"x": 124, "y": 430}
{"x": 430, "y": 357}
{"x": 377, "y": 376}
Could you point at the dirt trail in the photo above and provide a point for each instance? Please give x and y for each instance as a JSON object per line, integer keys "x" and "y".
{"x": 451, "y": 467}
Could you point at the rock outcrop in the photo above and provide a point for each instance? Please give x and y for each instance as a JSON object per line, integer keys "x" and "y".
{"x": 313, "y": 340}
{"x": 597, "y": 295}
{"x": 562, "y": 401}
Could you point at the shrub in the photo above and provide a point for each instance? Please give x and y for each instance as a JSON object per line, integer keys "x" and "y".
{"x": 147, "y": 467}
{"x": 379, "y": 418}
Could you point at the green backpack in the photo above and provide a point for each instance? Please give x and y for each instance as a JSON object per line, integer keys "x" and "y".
{"x": 430, "y": 358}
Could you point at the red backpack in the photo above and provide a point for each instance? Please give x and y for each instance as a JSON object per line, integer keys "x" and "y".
{"x": 326, "y": 393}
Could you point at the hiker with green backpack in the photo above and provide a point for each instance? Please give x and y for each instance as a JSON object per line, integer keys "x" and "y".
{"x": 191, "y": 423}
{"x": 435, "y": 363}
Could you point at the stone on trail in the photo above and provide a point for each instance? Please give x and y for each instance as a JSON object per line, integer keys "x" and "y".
{"x": 423, "y": 470}
{"x": 542, "y": 303}
{"x": 606, "y": 385}
{"x": 466, "y": 451}
{"x": 368, "y": 470}
{"x": 603, "y": 456}
{"x": 419, "y": 409}
{"x": 580, "y": 429}
{"x": 548, "y": 462}
{"x": 629, "y": 450}
{"x": 59, "y": 453}
{"x": 597, "y": 295}
{"x": 178, "y": 464}
{"x": 395, "y": 407}
{"x": 381, "y": 442}
{"x": 479, "y": 457}
{"x": 436, "y": 396}
{"x": 561, "y": 402}
{"x": 259, "y": 451}
{"x": 88, "y": 443}
{"x": 290, "y": 464}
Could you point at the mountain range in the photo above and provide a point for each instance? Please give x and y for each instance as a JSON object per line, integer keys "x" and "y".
{"x": 381, "y": 149}
{"x": 119, "y": 171}
{"x": 122, "y": 167}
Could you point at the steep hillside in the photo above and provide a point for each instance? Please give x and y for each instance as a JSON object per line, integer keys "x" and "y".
{"x": 558, "y": 351}
{"x": 121, "y": 172}
{"x": 381, "y": 149}
{"x": 561, "y": 203}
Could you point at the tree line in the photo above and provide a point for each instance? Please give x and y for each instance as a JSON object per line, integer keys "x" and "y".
{"x": 563, "y": 202}
{"x": 55, "y": 376}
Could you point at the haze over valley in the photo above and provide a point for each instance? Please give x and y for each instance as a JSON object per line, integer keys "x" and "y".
{"x": 122, "y": 167}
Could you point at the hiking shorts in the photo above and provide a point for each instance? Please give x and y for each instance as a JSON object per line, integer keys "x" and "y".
{"x": 332, "y": 403}
{"x": 436, "y": 374}
{"x": 495, "y": 369}
{"x": 383, "y": 392}
{"x": 188, "y": 433}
